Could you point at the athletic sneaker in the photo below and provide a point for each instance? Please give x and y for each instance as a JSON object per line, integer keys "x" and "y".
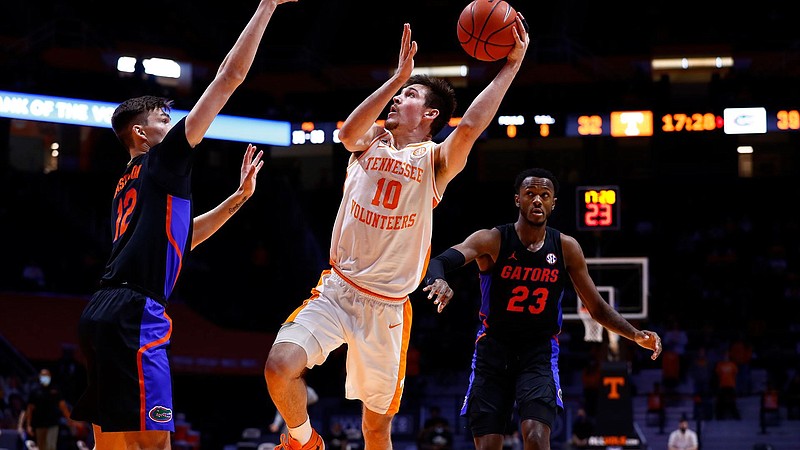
{"x": 290, "y": 443}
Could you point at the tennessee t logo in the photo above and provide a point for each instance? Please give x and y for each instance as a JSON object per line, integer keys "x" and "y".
{"x": 613, "y": 394}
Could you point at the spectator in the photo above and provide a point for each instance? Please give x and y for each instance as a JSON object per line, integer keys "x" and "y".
{"x": 43, "y": 415}
{"x": 337, "y": 439}
{"x": 435, "y": 417}
{"x": 16, "y": 412}
{"x": 582, "y": 429}
{"x": 741, "y": 352}
{"x": 726, "y": 371}
{"x": 670, "y": 370}
{"x": 436, "y": 433}
{"x": 676, "y": 339}
{"x": 683, "y": 438}
{"x": 769, "y": 413}
{"x": 656, "y": 405}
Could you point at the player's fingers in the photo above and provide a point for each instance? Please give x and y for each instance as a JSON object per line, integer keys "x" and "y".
{"x": 521, "y": 19}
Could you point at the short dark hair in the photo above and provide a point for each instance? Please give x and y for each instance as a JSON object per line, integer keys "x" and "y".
{"x": 135, "y": 110}
{"x": 441, "y": 96}
{"x": 538, "y": 173}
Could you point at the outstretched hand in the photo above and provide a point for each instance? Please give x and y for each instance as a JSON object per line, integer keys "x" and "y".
{"x": 251, "y": 165}
{"x": 441, "y": 290}
{"x": 408, "y": 48}
{"x": 649, "y": 340}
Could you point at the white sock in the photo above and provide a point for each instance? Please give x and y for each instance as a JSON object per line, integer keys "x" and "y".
{"x": 302, "y": 433}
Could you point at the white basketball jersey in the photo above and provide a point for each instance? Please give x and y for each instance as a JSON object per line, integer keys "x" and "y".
{"x": 382, "y": 235}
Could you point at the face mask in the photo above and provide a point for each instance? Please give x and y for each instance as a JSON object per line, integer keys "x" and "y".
{"x": 45, "y": 380}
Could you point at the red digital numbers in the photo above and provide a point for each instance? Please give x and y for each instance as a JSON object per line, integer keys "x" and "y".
{"x": 597, "y": 208}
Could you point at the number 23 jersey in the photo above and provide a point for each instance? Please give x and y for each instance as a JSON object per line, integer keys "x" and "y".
{"x": 521, "y": 295}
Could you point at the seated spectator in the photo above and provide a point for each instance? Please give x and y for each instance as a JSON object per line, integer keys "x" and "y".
{"x": 683, "y": 438}
{"x": 582, "y": 429}
{"x": 436, "y": 433}
{"x": 337, "y": 438}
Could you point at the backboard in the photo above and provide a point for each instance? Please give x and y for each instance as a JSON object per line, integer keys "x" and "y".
{"x": 623, "y": 283}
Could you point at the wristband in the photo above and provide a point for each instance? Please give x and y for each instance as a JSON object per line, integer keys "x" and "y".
{"x": 445, "y": 262}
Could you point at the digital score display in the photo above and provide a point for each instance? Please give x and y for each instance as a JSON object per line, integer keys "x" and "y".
{"x": 788, "y": 120}
{"x": 598, "y": 208}
{"x": 679, "y": 122}
{"x": 588, "y": 125}
{"x": 616, "y": 123}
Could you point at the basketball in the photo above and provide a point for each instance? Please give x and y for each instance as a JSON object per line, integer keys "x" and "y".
{"x": 485, "y": 29}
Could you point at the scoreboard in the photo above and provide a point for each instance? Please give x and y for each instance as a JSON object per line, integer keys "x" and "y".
{"x": 598, "y": 208}
{"x": 616, "y": 124}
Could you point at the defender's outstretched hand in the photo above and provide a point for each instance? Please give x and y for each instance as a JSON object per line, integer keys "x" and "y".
{"x": 649, "y": 340}
{"x": 250, "y": 167}
{"x": 441, "y": 290}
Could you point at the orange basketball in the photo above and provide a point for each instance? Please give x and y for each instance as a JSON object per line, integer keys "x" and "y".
{"x": 485, "y": 29}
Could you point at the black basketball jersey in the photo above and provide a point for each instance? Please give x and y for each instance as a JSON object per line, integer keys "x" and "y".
{"x": 152, "y": 218}
{"x": 521, "y": 296}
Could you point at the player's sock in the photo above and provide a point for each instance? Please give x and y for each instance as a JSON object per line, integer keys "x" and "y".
{"x": 302, "y": 433}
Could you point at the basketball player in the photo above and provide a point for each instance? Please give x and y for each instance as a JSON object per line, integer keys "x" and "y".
{"x": 524, "y": 268}
{"x": 124, "y": 330}
{"x": 380, "y": 244}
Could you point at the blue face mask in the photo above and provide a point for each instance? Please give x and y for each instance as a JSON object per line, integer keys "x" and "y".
{"x": 45, "y": 380}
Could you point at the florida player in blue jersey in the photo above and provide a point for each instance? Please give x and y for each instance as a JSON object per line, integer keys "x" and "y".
{"x": 124, "y": 330}
{"x": 524, "y": 269}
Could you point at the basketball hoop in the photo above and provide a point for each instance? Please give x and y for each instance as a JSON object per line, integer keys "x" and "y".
{"x": 593, "y": 331}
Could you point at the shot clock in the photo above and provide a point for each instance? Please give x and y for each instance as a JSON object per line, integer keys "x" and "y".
{"x": 597, "y": 208}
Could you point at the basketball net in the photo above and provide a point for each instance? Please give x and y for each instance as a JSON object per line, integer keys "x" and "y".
{"x": 593, "y": 331}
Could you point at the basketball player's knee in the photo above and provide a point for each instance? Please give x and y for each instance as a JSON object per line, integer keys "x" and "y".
{"x": 376, "y": 425}
{"x": 276, "y": 366}
{"x": 539, "y": 432}
{"x": 376, "y": 434}
{"x": 284, "y": 360}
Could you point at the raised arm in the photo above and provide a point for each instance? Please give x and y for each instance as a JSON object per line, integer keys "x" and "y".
{"x": 231, "y": 72}
{"x": 452, "y": 153}
{"x": 600, "y": 310}
{"x": 359, "y": 128}
{"x": 208, "y": 223}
